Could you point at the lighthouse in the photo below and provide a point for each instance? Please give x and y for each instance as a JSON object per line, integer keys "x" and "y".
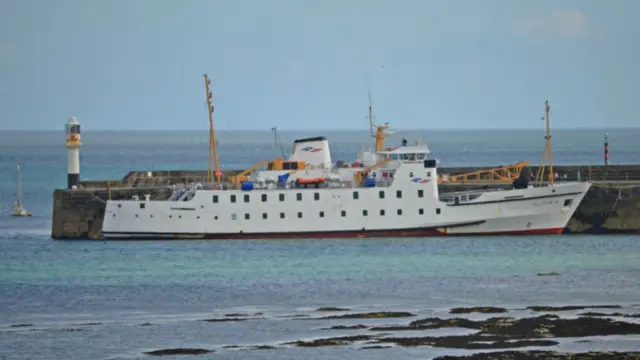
{"x": 73, "y": 148}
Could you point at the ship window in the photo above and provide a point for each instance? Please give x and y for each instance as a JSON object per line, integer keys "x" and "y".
{"x": 420, "y": 193}
{"x": 120, "y": 205}
{"x": 215, "y": 217}
{"x": 281, "y": 215}
{"x": 247, "y": 216}
{"x": 343, "y": 213}
{"x": 421, "y": 211}
{"x": 233, "y": 198}
{"x": 234, "y": 216}
{"x": 316, "y": 196}
{"x": 142, "y": 205}
{"x": 246, "y": 198}
{"x": 399, "y": 211}
{"x": 170, "y": 216}
{"x": 179, "y": 216}
{"x": 568, "y": 202}
{"x": 365, "y": 213}
{"x": 281, "y": 197}
{"x": 410, "y": 174}
{"x": 381, "y": 212}
{"x": 215, "y": 199}
{"x": 381, "y": 194}
{"x": 285, "y": 166}
{"x": 299, "y": 196}
{"x": 438, "y": 211}
{"x": 264, "y": 215}
{"x": 197, "y": 217}
{"x": 300, "y": 215}
{"x": 321, "y": 214}
{"x": 428, "y": 174}
{"x": 294, "y": 165}
{"x": 399, "y": 194}
{"x": 264, "y": 197}
{"x": 136, "y": 215}
{"x": 355, "y": 195}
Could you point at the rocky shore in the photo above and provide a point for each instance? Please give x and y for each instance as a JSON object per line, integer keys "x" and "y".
{"x": 496, "y": 331}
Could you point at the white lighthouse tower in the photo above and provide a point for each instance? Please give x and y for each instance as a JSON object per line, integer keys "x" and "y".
{"x": 73, "y": 145}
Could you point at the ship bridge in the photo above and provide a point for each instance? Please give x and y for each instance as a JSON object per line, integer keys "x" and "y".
{"x": 406, "y": 153}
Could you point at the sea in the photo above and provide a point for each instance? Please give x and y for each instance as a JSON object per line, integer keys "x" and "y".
{"x": 117, "y": 300}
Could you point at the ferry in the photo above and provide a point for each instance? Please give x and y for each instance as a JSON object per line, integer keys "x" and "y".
{"x": 307, "y": 196}
{"x": 387, "y": 192}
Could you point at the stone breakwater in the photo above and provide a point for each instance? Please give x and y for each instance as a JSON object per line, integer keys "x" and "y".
{"x": 611, "y": 206}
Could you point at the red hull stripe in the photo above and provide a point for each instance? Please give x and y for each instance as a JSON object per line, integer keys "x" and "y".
{"x": 321, "y": 235}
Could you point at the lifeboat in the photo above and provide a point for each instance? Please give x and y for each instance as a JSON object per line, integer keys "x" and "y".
{"x": 310, "y": 181}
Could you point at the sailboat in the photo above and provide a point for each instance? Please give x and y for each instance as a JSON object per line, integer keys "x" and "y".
{"x": 18, "y": 210}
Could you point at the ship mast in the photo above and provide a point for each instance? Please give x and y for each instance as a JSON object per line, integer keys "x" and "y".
{"x": 213, "y": 145}
{"x": 379, "y": 133}
{"x": 547, "y": 150}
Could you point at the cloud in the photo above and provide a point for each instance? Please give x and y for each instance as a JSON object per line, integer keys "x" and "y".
{"x": 565, "y": 23}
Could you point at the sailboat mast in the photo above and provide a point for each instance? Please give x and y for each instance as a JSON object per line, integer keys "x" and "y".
{"x": 19, "y": 185}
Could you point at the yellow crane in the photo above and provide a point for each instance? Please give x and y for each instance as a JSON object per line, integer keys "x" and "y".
{"x": 500, "y": 174}
{"x": 360, "y": 175}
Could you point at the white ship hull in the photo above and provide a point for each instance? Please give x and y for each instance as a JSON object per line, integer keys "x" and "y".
{"x": 399, "y": 198}
{"x": 543, "y": 210}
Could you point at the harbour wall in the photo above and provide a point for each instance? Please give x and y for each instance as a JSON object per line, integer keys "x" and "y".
{"x": 611, "y": 206}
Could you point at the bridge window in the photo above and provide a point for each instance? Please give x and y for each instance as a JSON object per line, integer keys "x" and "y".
{"x": 264, "y": 215}
{"x": 264, "y": 197}
{"x": 281, "y": 196}
{"x": 343, "y": 213}
{"x": 421, "y": 211}
{"x": 365, "y": 213}
{"x": 281, "y": 215}
{"x": 421, "y": 156}
{"x": 299, "y": 196}
{"x": 355, "y": 195}
{"x": 233, "y": 198}
{"x": 420, "y": 193}
{"x": 215, "y": 199}
{"x": 399, "y": 211}
{"x": 399, "y": 194}
{"x": 316, "y": 196}
{"x": 247, "y": 216}
{"x": 381, "y": 194}
{"x": 246, "y": 198}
